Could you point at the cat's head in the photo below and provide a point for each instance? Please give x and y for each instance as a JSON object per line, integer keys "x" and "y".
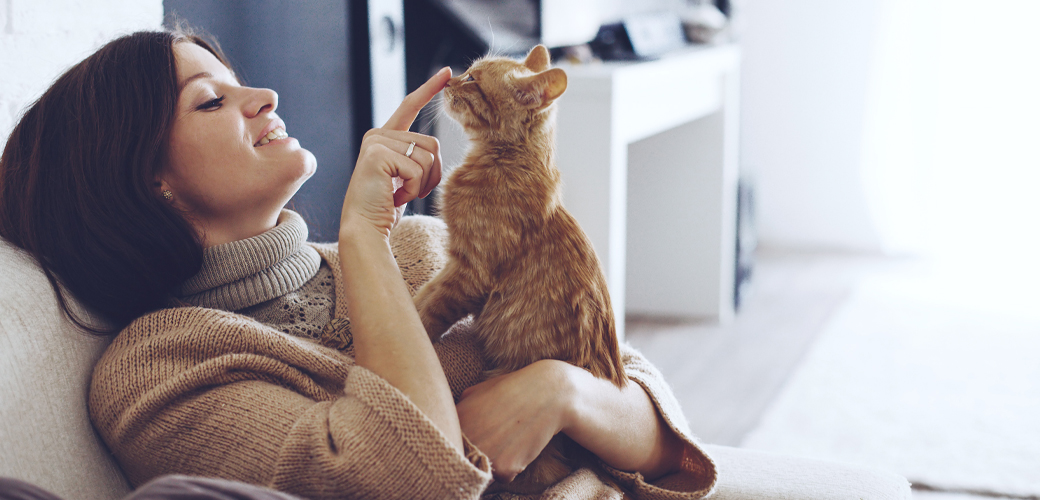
{"x": 501, "y": 97}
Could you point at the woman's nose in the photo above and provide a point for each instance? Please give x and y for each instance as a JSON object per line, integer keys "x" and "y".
{"x": 262, "y": 101}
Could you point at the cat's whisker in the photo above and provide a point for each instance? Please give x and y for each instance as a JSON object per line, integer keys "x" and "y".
{"x": 431, "y": 107}
{"x": 438, "y": 106}
{"x": 508, "y": 49}
{"x": 492, "y": 28}
{"x": 427, "y": 124}
{"x": 434, "y": 114}
{"x": 423, "y": 118}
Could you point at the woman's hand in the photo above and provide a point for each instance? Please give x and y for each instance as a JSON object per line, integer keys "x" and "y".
{"x": 513, "y": 416}
{"x": 389, "y": 338}
{"x": 386, "y": 177}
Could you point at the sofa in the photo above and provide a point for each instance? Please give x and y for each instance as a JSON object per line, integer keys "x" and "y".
{"x": 46, "y": 438}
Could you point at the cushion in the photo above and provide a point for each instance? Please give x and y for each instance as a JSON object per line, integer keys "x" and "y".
{"x": 45, "y": 366}
{"x": 745, "y": 474}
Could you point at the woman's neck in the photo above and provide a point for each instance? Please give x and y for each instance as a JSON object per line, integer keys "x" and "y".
{"x": 224, "y": 230}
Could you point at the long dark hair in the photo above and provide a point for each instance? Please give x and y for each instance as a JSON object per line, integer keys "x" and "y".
{"x": 78, "y": 181}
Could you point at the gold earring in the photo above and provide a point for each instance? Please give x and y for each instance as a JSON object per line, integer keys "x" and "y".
{"x": 166, "y": 193}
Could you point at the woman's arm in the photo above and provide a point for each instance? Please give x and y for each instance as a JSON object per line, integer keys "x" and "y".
{"x": 512, "y": 417}
{"x": 389, "y": 338}
{"x": 621, "y": 426}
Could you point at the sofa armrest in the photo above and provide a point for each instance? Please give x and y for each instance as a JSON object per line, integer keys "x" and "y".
{"x": 45, "y": 364}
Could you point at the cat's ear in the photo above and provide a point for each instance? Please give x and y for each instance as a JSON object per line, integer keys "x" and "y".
{"x": 537, "y": 59}
{"x": 542, "y": 89}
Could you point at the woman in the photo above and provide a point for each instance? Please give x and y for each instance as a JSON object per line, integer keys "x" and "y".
{"x": 149, "y": 182}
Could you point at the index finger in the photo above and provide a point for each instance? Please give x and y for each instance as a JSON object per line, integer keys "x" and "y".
{"x": 414, "y": 102}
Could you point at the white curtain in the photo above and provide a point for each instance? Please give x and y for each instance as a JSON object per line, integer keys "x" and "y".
{"x": 951, "y": 147}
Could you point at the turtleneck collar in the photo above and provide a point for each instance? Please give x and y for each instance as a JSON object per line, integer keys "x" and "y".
{"x": 247, "y": 272}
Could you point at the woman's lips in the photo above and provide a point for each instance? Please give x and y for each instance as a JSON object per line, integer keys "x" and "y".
{"x": 273, "y": 125}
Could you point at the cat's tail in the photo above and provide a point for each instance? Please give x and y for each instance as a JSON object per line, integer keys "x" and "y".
{"x": 601, "y": 354}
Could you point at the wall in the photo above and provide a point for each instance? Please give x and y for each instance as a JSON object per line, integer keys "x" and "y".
{"x": 804, "y": 94}
{"x": 39, "y": 39}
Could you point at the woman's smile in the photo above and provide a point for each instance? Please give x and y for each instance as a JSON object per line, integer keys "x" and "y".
{"x": 273, "y": 131}
{"x": 275, "y": 135}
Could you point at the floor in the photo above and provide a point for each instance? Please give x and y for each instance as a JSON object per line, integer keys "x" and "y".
{"x": 726, "y": 376}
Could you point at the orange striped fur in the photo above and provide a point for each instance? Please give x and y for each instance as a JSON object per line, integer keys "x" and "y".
{"x": 518, "y": 261}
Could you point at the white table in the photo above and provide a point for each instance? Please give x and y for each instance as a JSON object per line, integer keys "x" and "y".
{"x": 648, "y": 154}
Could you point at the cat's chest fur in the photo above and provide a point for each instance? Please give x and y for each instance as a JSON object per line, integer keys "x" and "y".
{"x": 496, "y": 210}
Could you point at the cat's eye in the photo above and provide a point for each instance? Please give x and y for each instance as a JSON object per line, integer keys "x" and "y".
{"x": 467, "y": 78}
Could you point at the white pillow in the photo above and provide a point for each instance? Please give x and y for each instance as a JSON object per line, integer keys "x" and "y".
{"x": 45, "y": 366}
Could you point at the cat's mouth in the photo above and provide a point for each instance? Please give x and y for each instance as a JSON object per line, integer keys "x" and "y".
{"x": 462, "y": 111}
{"x": 452, "y": 98}
{"x": 455, "y": 104}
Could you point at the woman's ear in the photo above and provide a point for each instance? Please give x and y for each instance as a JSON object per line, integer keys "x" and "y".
{"x": 162, "y": 189}
{"x": 537, "y": 59}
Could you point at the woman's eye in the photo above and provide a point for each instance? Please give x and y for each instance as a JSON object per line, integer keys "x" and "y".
{"x": 212, "y": 103}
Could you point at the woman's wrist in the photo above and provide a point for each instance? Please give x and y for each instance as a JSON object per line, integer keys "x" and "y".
{"x": 362, "y": 232}
{"x": 565, "y": 387}
{"x": 572, "y": 384}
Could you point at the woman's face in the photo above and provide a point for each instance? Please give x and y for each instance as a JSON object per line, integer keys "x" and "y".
{"x": 221, "y": 168}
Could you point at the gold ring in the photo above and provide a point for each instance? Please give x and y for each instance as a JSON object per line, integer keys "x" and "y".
{"x": 411, "y": 147}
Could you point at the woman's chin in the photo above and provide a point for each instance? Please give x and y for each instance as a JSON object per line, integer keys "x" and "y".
{"x": 304, "y": 167}
{"x": 312, "y": 164}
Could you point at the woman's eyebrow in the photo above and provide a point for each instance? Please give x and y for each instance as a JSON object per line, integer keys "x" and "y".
{"x": 187, "y": 81}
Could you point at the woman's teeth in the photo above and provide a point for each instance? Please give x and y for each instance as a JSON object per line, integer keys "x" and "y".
{"x": 278, "y": 133}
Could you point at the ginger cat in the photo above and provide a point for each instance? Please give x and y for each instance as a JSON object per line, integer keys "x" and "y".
{"x": 518, "y": 260}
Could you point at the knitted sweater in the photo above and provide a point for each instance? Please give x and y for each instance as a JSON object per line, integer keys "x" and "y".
{"x": 200, "y": 391}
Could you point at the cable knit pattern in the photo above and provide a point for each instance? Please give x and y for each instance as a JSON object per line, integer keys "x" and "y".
{"x": 303, "y": 312}
{"x": 420, "y": 243}
{"x": 247, "y": 272}
{"x": 206, "y": 392}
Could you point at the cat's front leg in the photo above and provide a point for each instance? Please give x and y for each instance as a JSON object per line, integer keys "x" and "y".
{"x": 445, "y": 299}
